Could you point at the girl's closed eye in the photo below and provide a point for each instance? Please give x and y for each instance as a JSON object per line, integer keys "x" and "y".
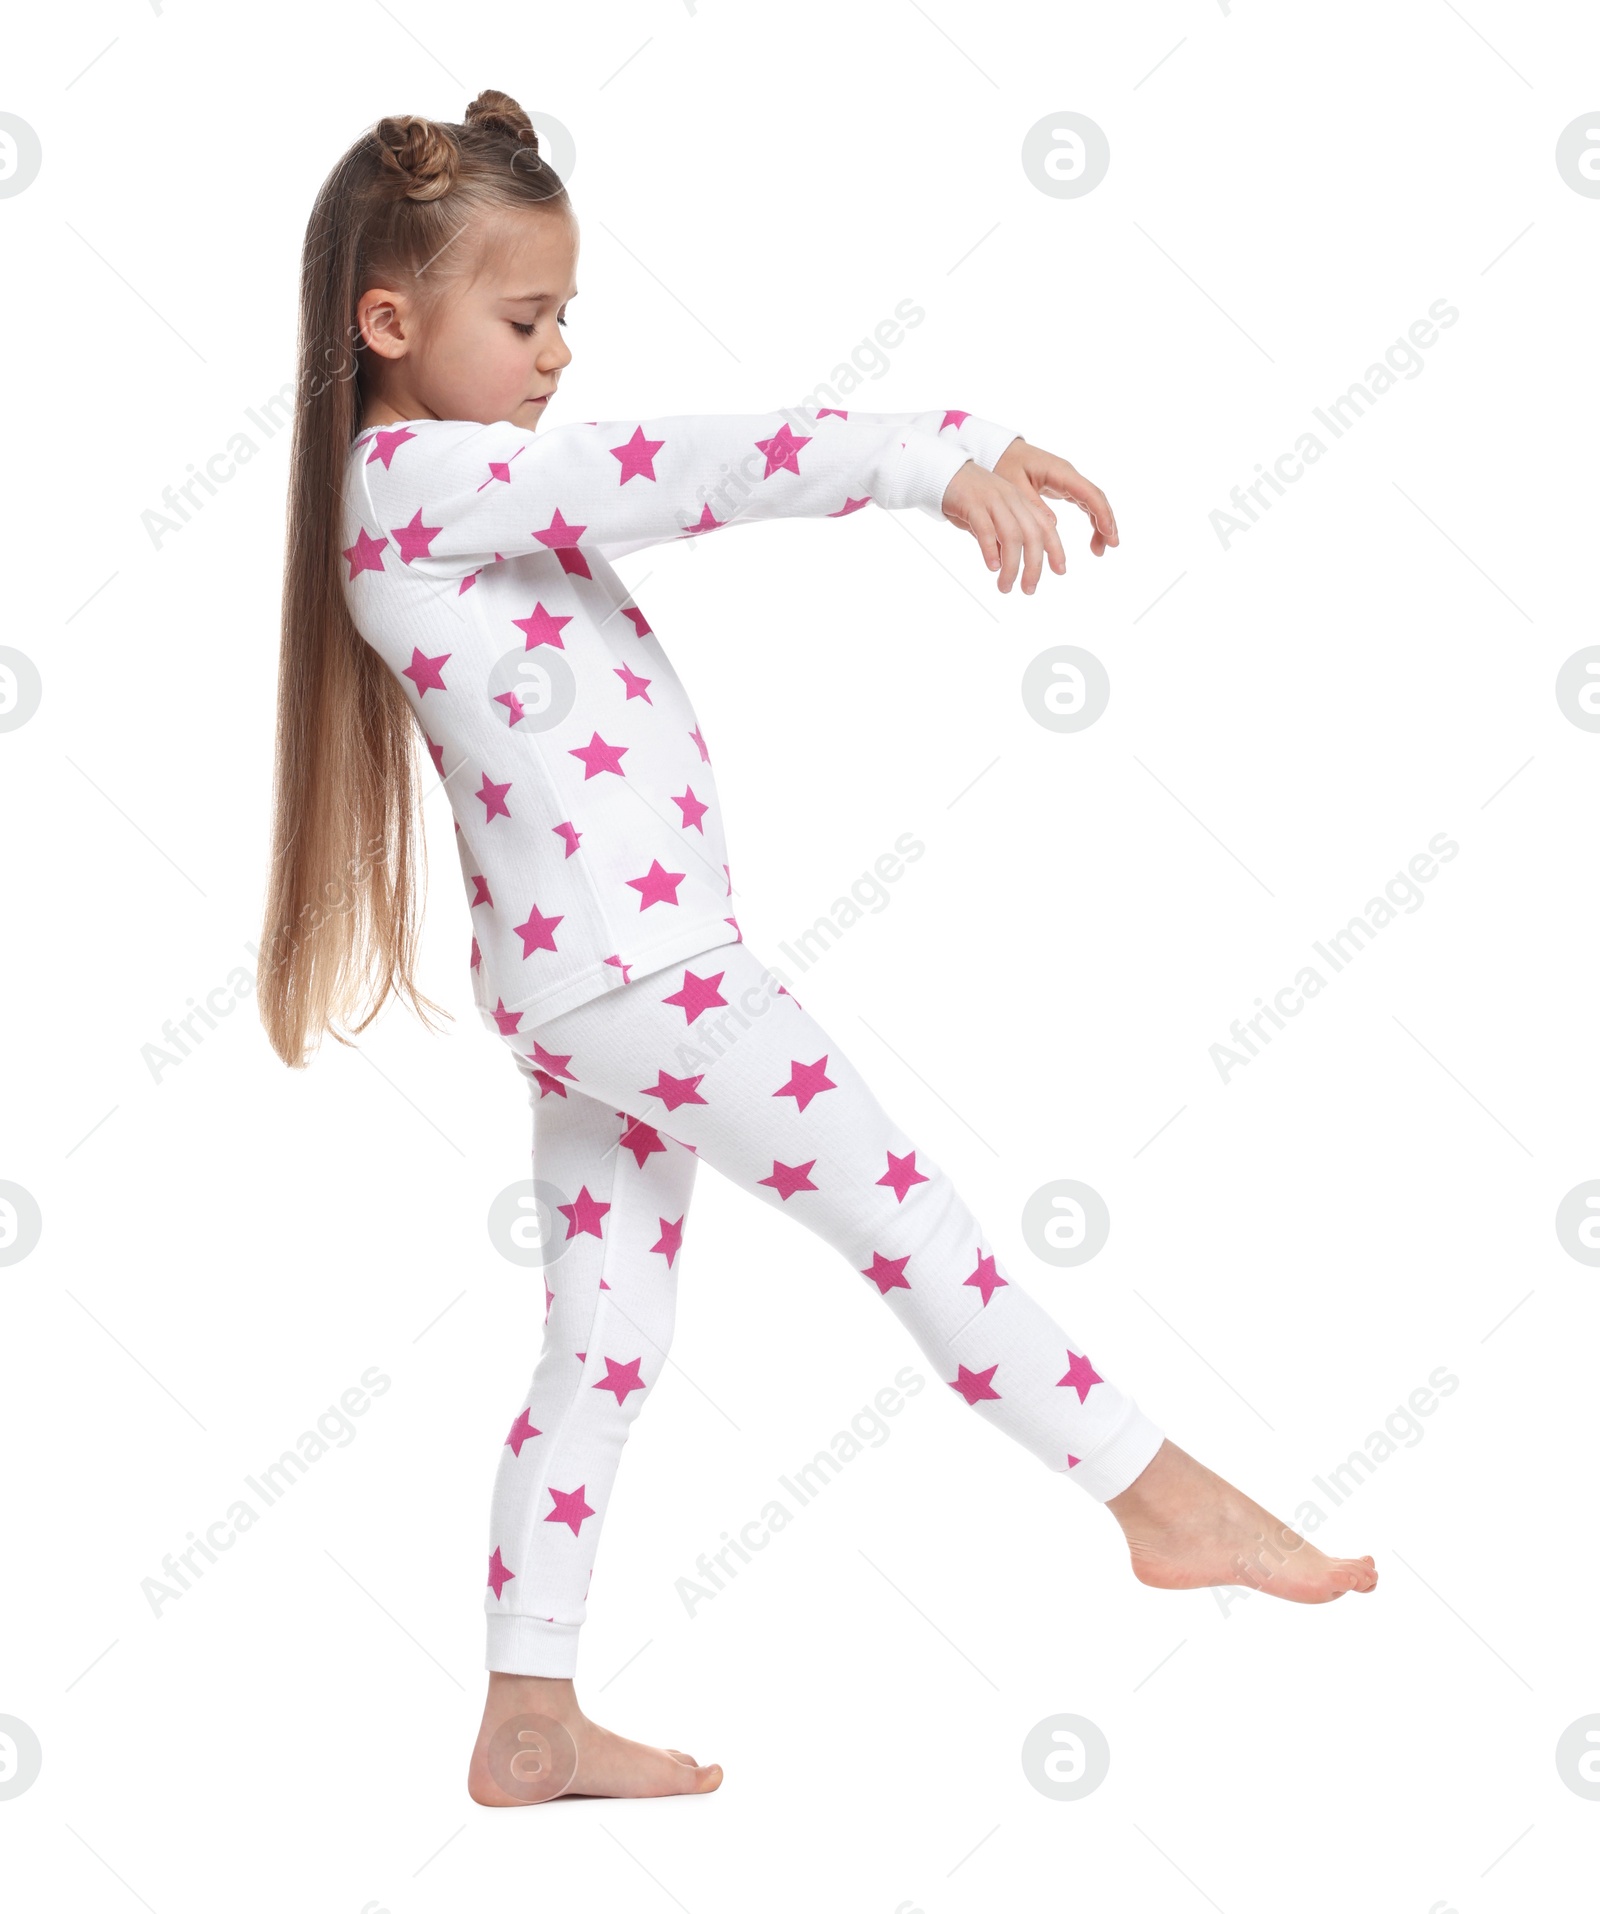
{"x": 526, "y": 328}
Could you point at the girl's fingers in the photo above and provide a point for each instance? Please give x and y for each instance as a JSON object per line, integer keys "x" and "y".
{"x": 1089, "y": 498}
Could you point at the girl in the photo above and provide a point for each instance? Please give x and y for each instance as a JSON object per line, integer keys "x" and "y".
{"x": 451, "y": 570}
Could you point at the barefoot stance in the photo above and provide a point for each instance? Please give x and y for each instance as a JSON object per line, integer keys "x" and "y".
{"x": 1187, "y": 1528}
{"x": 608, "y": 1764}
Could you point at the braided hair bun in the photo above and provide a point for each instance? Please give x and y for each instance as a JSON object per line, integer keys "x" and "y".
{"x": 420, "y": 155}
{"x": 499, "y": 113}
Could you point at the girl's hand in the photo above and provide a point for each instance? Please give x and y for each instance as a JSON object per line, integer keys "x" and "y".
{"x": 1033, "y": 471}
{"x": 1010, "y": 522}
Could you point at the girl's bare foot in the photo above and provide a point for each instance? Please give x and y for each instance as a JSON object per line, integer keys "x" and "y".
{"x": 536, "y": 1743}
{"x": 1187, "y": 1528}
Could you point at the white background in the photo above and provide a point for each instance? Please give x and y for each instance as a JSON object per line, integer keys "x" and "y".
{"x": 227, "y": 1248}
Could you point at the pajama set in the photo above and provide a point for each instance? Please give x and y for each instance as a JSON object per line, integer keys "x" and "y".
{"x": 604, "y": 952}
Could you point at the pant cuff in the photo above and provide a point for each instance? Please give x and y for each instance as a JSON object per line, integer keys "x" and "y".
{"x": 1119, "y": 1461}
{"x": 526, "y": 1645}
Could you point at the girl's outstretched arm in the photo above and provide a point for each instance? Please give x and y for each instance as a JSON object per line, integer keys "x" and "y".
{"x": 442, "y": 497}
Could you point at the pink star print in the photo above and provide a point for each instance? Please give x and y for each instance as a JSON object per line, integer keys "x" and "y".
{"x": 640, "y": 1140}
{"x": 693, "y": 810}
{"x": 986, "y": 1279}
{"x": 901, "y": 1174}
{"x": 494, "y": 798}
{"x": 657, "y": 886}
{"x": 501, "y": 469}
{"x": 541, "y": 627}
{"x": 637, "y": 456}
{"x": 481, "y": 894}
{"x": 637, "y": 619}
{"x": 782, "y": 450}
{"x": 599, "y": 756}
{"x": 506, "y": 1019}
{"x": 851, "y": 505}
{"x": 787, "y": 1178}
{"x": 413, "y": 539}
{"x": 584, "y": 1215}
{"x": 386, "y": 444}
{"x": 706, "y": 522}
{"x": 569, "y": 834}
{"x": 366, "y": 554}
{"x": 700, "y": 744}
{"x": 675, "y": 1090}
{"x": 521, "y": 1430}
{"x": 558, "y": 535}
{"x": 548, "y": 1060}
{"x": 535, "y": 934}
{"x": 806, "y": 1080}
{"x": 888, "y": 1272}
{"x": 637, "y": 687}
{"x": 1080, "y": 1376}
{"x": 957, "y": 419}
{"x": 499, "y": 1574}
{"x": 621, "y": 1378}
{"x": 973, "y": 1384}
{"x": 570, "y": 1507}
{"x": 423, "y": 672}
{"x": 697, "y": 994}
{"x": 670, "y": 1240}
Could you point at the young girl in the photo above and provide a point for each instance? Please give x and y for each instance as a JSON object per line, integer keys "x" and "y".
{"x": 450, "y": 570}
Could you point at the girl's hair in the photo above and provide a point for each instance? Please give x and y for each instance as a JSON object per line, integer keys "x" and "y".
{"x": 341, "y": 919}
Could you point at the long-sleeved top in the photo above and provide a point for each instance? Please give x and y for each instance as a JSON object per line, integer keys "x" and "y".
{"x": 480, "y": 569}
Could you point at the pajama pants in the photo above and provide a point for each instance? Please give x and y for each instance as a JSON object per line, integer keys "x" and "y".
{"x": 715, "y": 1059}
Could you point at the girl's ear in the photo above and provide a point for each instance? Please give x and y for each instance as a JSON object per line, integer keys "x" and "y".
{"x": 384, "y": 320}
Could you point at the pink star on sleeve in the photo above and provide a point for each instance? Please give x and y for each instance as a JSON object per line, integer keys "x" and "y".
{"x": 412, "y": 540}
{"x": 637, "y": 456}
{"x": 366, "y": 554}
{"x": 386, "y": 444}
{"x": 782, "y": 450}
{"x": 424, "y": 672}
{"x": 957, "y": 419}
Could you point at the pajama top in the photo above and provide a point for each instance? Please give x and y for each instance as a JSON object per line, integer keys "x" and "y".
{"x": 480, "y": 569}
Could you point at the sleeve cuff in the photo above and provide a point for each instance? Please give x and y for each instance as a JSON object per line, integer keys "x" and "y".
{"x": 986, "y": 440}
{"x": 917, "y": 468}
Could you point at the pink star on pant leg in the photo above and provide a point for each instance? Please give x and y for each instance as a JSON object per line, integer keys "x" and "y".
{"x": 547, "y": 1084}
{"x": 782, "y": 450}
{"x": 569, "y": 834}
{"x": 521, "y": 1430}
{"x": 386, "y": 444}
{"x": 1080, "y": 1376}
{"x": 424, "y": 671}
{"x": 700, "y": 745}
{"x": 570, "y": 1507}
{"x": 888, "y": 1272}
{"x": 536, "y": 932}
{"x": 636, "y": 686}
{"x": 986, "y": 1279}
{"x": 787, "y": 1178}
{"x": 641, "y": 626}
{"x": 706, "y": 522}
{"x": 413, "y": 539}
{"x": 806, "y": 1080}
{"x": 674, "y": 1091}
{"x": 548, "y": 1060}
{"x": 599, "y": 756}
{"x": 541, "y": 627}
{"x": 657, "y": 886}
{"x": 507, "y": 1020}
{"x": 696, "y": 994}
{"x": 499, "y": 1574}
{"x": 901, "y": 1174}
{"x": 637, "y": 456}
{"x": 365, "y": 555}
{"x": 584, "y": 1215}
{"x": 693, "y": 810}
{"x": 670, "y": 1241}
{"x": 973, "y": 1384}
{"x": 481, "y": 894}
{"x": 957, "y": 419}
{"x": 641, "y": 1140}
{"x": 621, "y": 1378}
{"x": 494, "y": 798}
{"x": 850, "y": 505}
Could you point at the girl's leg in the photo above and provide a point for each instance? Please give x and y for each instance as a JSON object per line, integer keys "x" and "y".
{"x": 717, "y": 1054}
{"x": 614, "y": 1197}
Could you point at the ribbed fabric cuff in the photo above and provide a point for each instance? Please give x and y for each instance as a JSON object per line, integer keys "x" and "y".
{"x": 985, "y": 440}
{"x": 525, "y": 1645}
{"x": 915, "y": 469}
{"x": 1117, "y": 1463}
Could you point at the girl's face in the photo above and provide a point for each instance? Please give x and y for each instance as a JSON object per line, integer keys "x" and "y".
{"x": 489, "y": 346}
